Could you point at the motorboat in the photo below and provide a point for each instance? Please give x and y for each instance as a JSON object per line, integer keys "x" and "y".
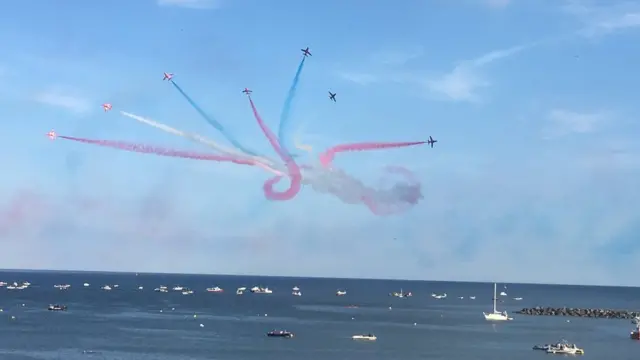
{"x": 296, "y": 293}
{"x": 439, "y": 296}
{"x": 295, "y": 288}
{"x": 59, "y": 286}
{"x": 496, "y": 315}
{"x": 341, "y": 293}
{"x": 635, "y": 334}
{"x": 368, "y": 337}
{"x": 241, "y": 290}
{"x": 564, "y": 348}
{"x": 86, "y": 284}
{"x": 517, "y": 298}
{"x": 56, "y": 307}
{"x": 502, "y": 293}
{"x": 162, "y": 289}
{"x": 106, "y": 287}
{"x": 2, "y": 283}
{"x": 178, "y": 288}
{"x": 472, "y": 297}
{"x": 635, "y": 320}
{"x": 215, "y": 289}
{"x": 280, "y": 333}
{"x": 187, "y": 292}
{"x": 140, "y": 287}
{"x": 261, "y": 290}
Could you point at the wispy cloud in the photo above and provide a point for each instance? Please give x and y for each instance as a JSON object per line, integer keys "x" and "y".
{"x": 563, "y": 122}
{"x": 464, "y": 82}
{"x": 601, "y": 20}
{"x": 72, "y": 103}
{"x": 382, "y": 66}
{"x": 192, "y": 4}
{"x": 397, "y": 57}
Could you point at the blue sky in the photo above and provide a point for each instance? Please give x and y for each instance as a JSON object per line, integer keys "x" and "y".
{"x": 534, "y": 177}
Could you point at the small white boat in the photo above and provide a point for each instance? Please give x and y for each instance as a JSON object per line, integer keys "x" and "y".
{"x": 564, "y": 348}
{"x": 241, "y": 290}
{"x": 517, "y": 298}
{"x": 496, "y": 315}
{"x": 341, "y": 293}
{"x": 86, "y": 284}
{"x": 441, "y": 296}
{"x": 187, "y": 292}
{"x": 296, "y": 293}
{"x": 140, "y": 287}
{"x": 261, "y": 290}
{"x": 106, "y": 287}
{"x": 178, "y": 288}
{"x": 368, "y": 337}
{"x": 472, "y": 297}
{"x": 60, "y": 286}
{"x": 295, "y": 288}
{"x": 215, "y": 289}
{"x": 502, "y": 293}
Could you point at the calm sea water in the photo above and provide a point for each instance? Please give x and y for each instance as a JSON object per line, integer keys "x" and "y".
{"x": 127, "y": 323}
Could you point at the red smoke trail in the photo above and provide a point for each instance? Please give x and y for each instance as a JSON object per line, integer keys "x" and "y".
{"x": 147, "y": 149}
{"x": 292, "y": 167}
{"x": 327, "y": 157}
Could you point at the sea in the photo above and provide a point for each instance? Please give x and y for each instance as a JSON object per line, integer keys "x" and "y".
{"x": 128, "y": 323}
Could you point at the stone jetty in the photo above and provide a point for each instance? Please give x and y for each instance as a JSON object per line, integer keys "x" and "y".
{"x": 579, "y": 312}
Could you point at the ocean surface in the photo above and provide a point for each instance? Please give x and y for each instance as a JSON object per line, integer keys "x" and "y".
{"x": 127, "y": 323}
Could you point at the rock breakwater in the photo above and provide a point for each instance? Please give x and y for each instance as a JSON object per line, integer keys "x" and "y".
{"x": 579, "y": 312}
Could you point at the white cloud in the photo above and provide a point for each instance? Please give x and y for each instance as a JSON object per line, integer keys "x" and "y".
{"x": 464, "y": 81}
{"x": 564, "y": 122}
{"x": 397, "y": 57}
{"x": 191, "y": 4}
{"x": 601, "y": 20}
{"x": 72, "y": 103}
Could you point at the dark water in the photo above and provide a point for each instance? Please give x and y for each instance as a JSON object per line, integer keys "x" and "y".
{"x": 127, "y": 323}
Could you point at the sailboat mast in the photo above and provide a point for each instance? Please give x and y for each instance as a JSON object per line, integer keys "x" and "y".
{"x": 495, "y": 289}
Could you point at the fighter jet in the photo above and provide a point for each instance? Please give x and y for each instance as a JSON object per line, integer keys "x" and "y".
{"x": 332, "y": 96}
{"x": 431, "y": 141}
{"x": 306, "y": 51}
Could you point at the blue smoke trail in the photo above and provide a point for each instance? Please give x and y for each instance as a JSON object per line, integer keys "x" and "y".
{"x": 213, "y": 122}
{"x": 286, "y": 109}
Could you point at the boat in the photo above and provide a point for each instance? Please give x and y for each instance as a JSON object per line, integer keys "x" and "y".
{"x": 369, "y": 337}
{"x": 436, "y": 296}
{"x": 241, "y": 290}
{"x": 341, "y": 293}
{"x": 565, "y": 348}
{"x": 60, "y": 286}
{"x": 85, "y": 284}
{"x": 496, "y": 315}
{"x": 162, "y": 288}
{"x": 280, "y": 333}
{"x": 295, "y": 288}
{"x": 57, "y": 307}
{"x": 106, "y": 287}
{"x": 502, "y": 293}
{"x": 472, "y": 297}
{"x": 261, "y": 290}
{"x": 140, "y": 287}
{"x": 187, "y": 292}
{"x": 296, "y": 293}
{"x": 401, "y": 294}
{"x": 635, "y": 334}
{"x": 178, "y": 288}
{"x": 215, "y": 289}
{"x": 517, "y": 298}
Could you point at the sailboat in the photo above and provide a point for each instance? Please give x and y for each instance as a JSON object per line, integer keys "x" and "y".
{"x": 496, "y": 315}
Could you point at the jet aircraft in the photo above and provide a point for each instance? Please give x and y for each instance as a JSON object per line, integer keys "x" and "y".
{"x": 247, "y": 91}
{"x": 431, "y": 141}
{"x": 167, "y": 76}
{"x": 332, "y": 96}
{"x": 306, "y": 52}
{"x": 106, "y": 107}
{"x": 52, "y": 135}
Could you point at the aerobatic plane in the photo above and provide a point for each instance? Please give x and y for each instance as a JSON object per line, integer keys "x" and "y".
{"x": 167, "y": 76}
{"x": 247, "y": 91}
{"x": 332, "y": 96}
{"x": 106, "y": 107}
{"x": 431, "y": 141}
{"x": 52, "y": 135}
{"x": 306, "y": 52}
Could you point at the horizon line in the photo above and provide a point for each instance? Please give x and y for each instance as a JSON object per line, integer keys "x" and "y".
{"x": 123, "y": 272}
